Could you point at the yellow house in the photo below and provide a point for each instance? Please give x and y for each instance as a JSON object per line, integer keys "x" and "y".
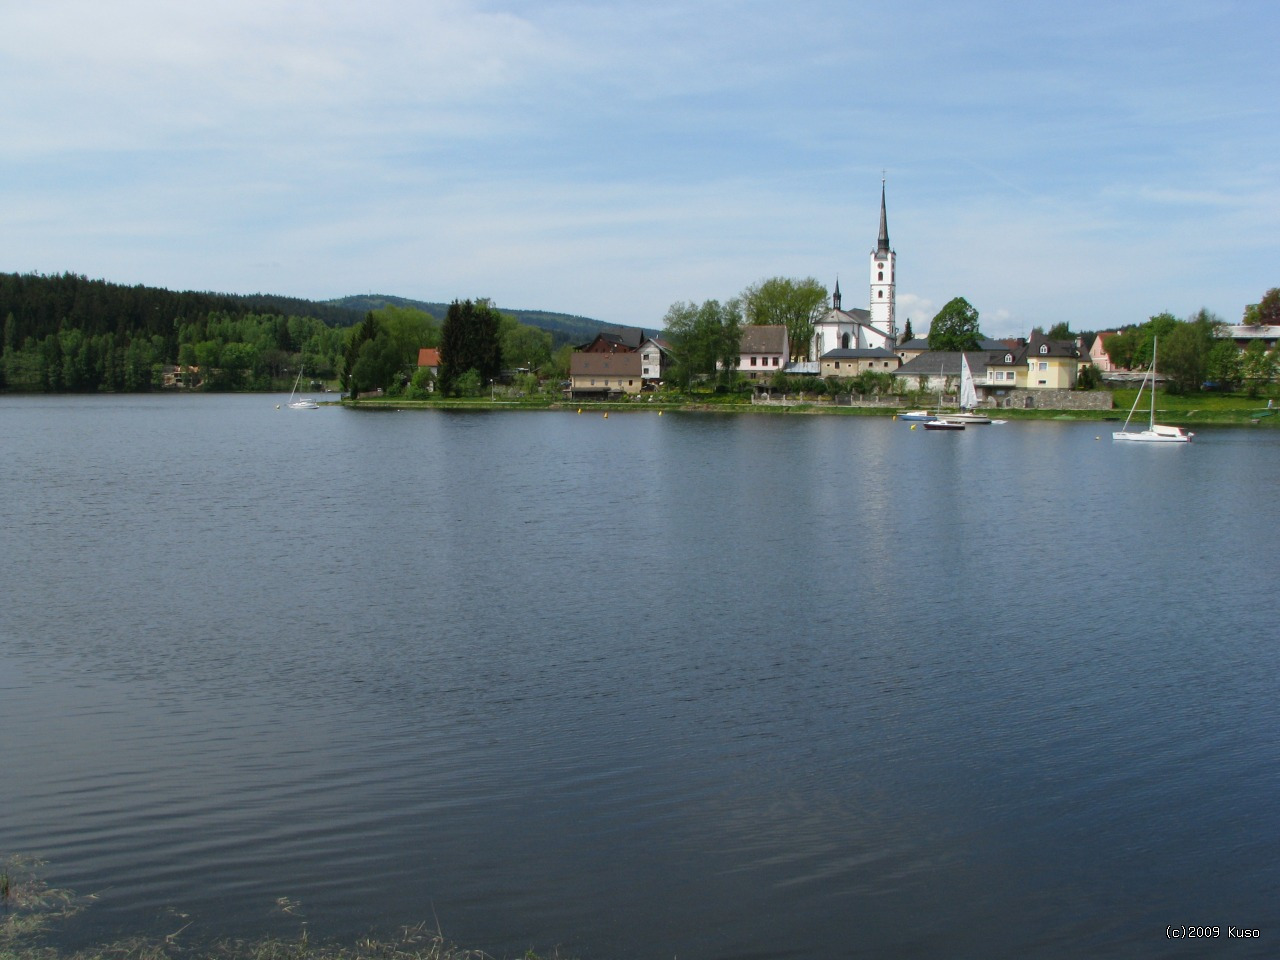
{"x": 1051, "y": 364}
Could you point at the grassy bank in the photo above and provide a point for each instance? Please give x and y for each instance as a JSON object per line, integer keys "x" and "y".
{"x": 31, "y": 910}
{"x": 1204, "y": 409}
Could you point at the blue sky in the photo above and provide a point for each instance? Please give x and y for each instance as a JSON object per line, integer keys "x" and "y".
{"x": 1095, "y": 163}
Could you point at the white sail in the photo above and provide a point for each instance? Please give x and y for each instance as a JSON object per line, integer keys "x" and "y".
{"x": 968, "y": 393}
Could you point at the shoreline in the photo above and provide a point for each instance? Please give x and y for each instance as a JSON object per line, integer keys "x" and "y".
{"x": 1192, "y": 417}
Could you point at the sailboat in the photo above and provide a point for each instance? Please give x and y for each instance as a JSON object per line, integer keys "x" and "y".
{"x": 939, "y": 422}
{"x": 301, "y": 403}
{"x": 968, "y": 397}
{"x": 1155, "y": 433}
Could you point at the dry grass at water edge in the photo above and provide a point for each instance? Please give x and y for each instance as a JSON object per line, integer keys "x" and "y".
{"x": 29, "y": 908}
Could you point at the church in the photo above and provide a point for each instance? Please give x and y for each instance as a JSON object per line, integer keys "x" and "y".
{"x": 862, "y": 335}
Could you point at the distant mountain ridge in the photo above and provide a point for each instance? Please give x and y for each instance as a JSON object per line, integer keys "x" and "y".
{"x": 563, "y": 327}
{"x": 41, "y": 304}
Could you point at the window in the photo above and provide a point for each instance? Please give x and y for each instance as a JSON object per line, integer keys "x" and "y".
{"x": 837, "y": 364}
{"x": 1008, "y": 358}
{"x": 1044, "y": 348}
{"x": 753, "y": 361}
{"x": 880, "y": 275}
{"x": 880, "y": 294}
{"x": 775, "y": 361}
{"x": 1043, "y": 366}
{"x": 646, "y": 371}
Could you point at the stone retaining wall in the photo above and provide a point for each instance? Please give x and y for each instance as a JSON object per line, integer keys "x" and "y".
{"x": 1022, "y": 399}
{"x": 1014, "y": 399}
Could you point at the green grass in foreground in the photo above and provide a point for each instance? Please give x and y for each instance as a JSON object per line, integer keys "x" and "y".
{"x": 30, "y": 908}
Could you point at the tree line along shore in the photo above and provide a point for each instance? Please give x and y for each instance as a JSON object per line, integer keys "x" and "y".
{"x": 68, "y": 334}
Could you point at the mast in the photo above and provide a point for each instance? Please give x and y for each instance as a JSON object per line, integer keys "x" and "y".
{"x": 1151, "y": 421}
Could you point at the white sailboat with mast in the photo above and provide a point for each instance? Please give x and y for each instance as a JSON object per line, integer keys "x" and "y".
{"x": 301, "y": 403}
{"x": 1155, "y": 433}
{"x": 968, "y": 397}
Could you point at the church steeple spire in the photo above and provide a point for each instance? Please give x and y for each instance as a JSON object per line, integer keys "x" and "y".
{"x": 882, "y": 245}
{"x": 883, "y": 281}
{"x": 835, "y": 297}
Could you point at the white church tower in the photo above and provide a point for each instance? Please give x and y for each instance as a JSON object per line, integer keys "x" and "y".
{"x": 857, "y": 329}
{"x": 883, "y": 283}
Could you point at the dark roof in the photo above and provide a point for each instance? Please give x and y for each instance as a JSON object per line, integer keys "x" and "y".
{"x": 864, "y": 353}
{"x": 942, "y": 363}
{"x": 763, "y": 339}
{"x": 621, "y": 364}
{"x": 1042, "y": 346}
{"x": 624, "y": 338}
{"x": 882, "y": 243}
{"x": 1016, "y": 356}
{"x": 915, "y": 343}
{"x": 631, "y": 336}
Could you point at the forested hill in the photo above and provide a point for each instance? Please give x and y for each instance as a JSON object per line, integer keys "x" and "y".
{"x": 68, "y": 333}
{"x": 563, "y": 327}
{"x": 41, "y": 305}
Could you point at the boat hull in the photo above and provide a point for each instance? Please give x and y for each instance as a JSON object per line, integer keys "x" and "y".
{"x": 943, "y": 425}
{"x": 1159, "y": 435}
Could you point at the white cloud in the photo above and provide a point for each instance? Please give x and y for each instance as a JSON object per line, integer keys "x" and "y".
{"x": 611, "y": 158}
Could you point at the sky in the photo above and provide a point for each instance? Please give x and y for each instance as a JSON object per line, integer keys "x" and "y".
{"x": 1094, "y": 163}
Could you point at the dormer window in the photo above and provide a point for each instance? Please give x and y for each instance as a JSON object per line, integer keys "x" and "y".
{"x": 1008, "y": 358}
{"x": 1044, "y": 348}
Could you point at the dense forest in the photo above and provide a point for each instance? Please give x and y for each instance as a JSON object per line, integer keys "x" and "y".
{"x": 70, "y": 334}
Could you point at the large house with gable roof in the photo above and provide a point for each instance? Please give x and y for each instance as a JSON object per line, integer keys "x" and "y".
{"x": 1004, "y": 376}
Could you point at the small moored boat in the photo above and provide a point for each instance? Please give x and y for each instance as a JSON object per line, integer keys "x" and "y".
{"x": 1155, "y": 432}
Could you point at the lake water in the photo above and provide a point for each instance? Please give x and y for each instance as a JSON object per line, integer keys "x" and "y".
{"x": 641, "y": 687}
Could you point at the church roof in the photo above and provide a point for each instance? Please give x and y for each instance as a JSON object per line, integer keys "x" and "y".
{"x": 882, "y": 243}
{"x": 856, "y": 315}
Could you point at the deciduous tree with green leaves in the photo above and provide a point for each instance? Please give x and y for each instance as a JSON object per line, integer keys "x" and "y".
{"x": 1267, "y": 310}
{"x": 955, "y": 327}
{"x": 703, "y": 336}
{"x": 795, "y": 304}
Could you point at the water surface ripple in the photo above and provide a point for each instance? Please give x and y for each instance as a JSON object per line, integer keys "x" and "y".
{"x": 640, "y": 687}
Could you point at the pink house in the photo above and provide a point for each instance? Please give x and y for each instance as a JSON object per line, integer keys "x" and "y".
{"x": 1098, "y": 355}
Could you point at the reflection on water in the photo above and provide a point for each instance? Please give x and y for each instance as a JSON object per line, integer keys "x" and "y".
{"x": 691, "y": 685}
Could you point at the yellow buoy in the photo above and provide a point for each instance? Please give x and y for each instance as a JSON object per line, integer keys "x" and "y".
{"x": 913, "y": 426}
{"x": 606, "y": 414}
{"x": 579, "y": 409}
{"x": 659, "y": 413}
